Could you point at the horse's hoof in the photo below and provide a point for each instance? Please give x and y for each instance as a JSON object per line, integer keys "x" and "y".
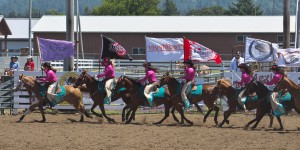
{"x": 40, "y": 121}
{"x": 123, "y": 119}
{"x": 19, "y": 121}
{"x": 252, "y": 128}
{"x": 156, "y": 123}
{"x": 216, "y": 123}
{"x": 191, "y": 123}
{"x": 227, "y": 121}
{"x": 219, "y": 126}
{"x": 112, "y": 121}
{"x": 204, "y": 121}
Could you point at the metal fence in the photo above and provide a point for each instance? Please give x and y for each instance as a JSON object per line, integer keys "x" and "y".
{"x": 6, "y": 94}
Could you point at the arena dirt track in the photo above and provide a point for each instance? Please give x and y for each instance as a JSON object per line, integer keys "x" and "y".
{"x": 60, "y": 133}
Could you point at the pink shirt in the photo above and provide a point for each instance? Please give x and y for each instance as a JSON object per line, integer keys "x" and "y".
{"x": 109, "y": 72}
{"x": 50, "y": 76}
{"x": 246, "y": 78}
{"x": 275, "y": 79}
{"x": 150, "y": 76}
{"x": 189, "y": 74}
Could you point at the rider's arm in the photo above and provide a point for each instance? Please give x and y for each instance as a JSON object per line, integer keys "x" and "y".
{"x": 275, "y": 80}
{"x": 102, "y": 74}
{"x": 145, "y": 78}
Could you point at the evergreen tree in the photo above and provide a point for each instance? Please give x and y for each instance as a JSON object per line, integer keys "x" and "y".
{"x": 209, "y": 11}
{"x": 128, "y": 7}
{"x": 170, "y": 9}
{"x": 244, "y": 8}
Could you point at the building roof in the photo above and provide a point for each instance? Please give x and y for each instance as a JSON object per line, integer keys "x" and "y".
{"x": 19, "y": 27}
{"x": 4, "y": 28}
{"x": 168, "y": 24}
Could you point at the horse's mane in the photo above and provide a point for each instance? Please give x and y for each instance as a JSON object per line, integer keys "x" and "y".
{"x": 225, "y": 81}
{"x": 291, "y": 81}
{"x": 131, "y": 79}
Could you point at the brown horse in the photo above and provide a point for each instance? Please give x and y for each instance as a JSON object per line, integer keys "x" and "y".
{"x": 207, "y": 95}
{"x": 8, "y": 72}
{"x": 292, "y": 88}
{"x": 73, "y": 96}
{"x": 137, "y": 98}
{"x": 224, "y": 87}
{"x": 96, "y": 94}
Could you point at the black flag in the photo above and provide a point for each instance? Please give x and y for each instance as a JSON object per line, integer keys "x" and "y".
{"x": 113, "y": 50}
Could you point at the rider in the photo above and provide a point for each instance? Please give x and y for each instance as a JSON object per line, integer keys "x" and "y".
{"x": 278, "y": 74}
{"x": 245, "y": 79}
{"x": 151, "y": 77}
{"x": 190, "y": 72}
{"x": 50, "y": 77}
{"x": 109, "y": 75}
{"x": 14, "y": 64}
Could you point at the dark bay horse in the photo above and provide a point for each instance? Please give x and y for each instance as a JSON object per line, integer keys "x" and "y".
{"x": 207, "y": 95}
{"x": 72, "y": 96}
{"x": 135, "y": 91}
{"x": 264, "y": 106}
{"x": 96, "y": 95}
{"x": 223, "y": 87}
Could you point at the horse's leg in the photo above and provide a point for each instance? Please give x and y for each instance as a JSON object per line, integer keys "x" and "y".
{"x": 43, "y": 114}
{"x": 128, "y": 113}
{"x": 132, "y": 115}
{"x": 261, "y": 110}
{"x": 123, "y": 113}
{"x": 280, "y": 123}
{"x": 216, "y": 114}
{"x": 93, "y": 110}
{"x": 271, "y": 119}
{"x": 180, "y": 110}
{"x": 29, "y": 110}
{"x": 207, "y": 114}
{"x": 199, "y": 108}
{"x": 226, "y": 116}
{"x": 174, "y": 116}
{"x": 101, "y": 106}
{"x": 167, "y": 113}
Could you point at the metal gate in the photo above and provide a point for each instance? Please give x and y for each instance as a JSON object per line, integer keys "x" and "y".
{"x": 6, "y": 94}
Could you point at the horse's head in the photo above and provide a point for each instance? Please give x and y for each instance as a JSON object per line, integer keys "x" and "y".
{"x": 25, "y": 80}
{"x": 284, "y": 83}
{"x": 165, "y": 79}
{"x": 83, "y": 77}
{"x": 258, "y": 87}
{"x": 71, "y": 80}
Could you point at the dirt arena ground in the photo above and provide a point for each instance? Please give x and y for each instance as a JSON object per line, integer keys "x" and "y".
{"x": 59, "y": 133}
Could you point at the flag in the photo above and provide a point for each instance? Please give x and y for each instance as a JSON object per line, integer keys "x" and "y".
{"x": 257, "y": 50}
{"x": 163, "y": 49}
{"x": 55, "y": 49}
{"x": 288, "y": 57}
{"x": 198, "y": 52}
{"x": 113, "y": 50}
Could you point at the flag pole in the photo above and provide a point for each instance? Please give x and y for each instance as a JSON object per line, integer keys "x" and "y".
{"x": 38, "y": 44}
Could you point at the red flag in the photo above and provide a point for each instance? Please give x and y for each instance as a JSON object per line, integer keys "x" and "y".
{"x": 198, "y": 52}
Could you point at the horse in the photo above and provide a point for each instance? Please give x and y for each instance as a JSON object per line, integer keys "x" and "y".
{"x": 264, "y": 104}
{"x": 70, "y": 94}
{"x": 8, "y": 72}
{"x": 223, "y": 87}
{"x": 203, "y": 92}
{"x": 292, "y": 88}
{"x": 96, "y": 94}
{"x": 135, "y": 91}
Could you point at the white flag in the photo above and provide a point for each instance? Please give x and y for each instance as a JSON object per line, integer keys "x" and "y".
{"x": 163, "y": 49}
{"x": 257, "y": 50}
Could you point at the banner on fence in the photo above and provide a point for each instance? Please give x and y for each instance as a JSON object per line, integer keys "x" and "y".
{"x": 257, "y": 50}
{"x": 163, "y": 49}
{"x": 235, "y": 77}
{"x": 55, "y": 49}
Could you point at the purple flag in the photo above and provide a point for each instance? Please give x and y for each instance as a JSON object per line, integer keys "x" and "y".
{"x": 55, "y": 49}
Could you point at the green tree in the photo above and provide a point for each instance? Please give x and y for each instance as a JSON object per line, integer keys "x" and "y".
{"x": 244, "y": 8}
{"x": 208, "y": 11}
{"x": 127, "y": 7}
{"x": 53, "y": 12}
{"x": 170, "y": 9}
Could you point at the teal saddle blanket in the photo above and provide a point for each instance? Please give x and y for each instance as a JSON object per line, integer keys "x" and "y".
{"x": 197, "y": 91}
{"x": 160, "y": 94}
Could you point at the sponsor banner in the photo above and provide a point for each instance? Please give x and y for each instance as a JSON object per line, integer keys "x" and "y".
{"x": 235, "y": 77}
{"x": 163, "y": 49}
{"x": 257, "y": 50}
